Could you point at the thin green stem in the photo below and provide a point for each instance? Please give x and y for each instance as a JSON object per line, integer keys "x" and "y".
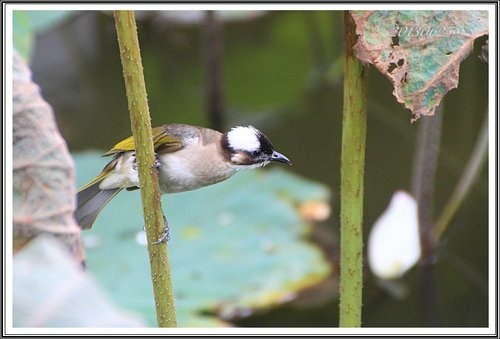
{"x": 148, "y": 176}
{"x": 464, "y": 185}
{"x": 352, "y": 182}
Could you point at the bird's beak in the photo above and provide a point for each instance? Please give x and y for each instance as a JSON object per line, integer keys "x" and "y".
{"x": 277, "y": 156}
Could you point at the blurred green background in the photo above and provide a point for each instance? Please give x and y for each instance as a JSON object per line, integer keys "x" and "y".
{"x": 282, "y": 72}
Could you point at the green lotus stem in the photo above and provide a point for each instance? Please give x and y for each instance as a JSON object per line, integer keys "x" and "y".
{"x": 148, "y": 176}
{"x": 352, "y": 182}
{"x": 464, "y": 185}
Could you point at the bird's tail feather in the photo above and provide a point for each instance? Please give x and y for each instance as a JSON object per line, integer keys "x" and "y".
{"x": 91, "y": 200}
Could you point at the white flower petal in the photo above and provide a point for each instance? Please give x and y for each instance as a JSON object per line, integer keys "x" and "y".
{"x": 393, "y": 243}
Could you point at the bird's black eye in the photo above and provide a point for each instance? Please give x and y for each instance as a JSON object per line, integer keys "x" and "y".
{"x": 255, "y": 153}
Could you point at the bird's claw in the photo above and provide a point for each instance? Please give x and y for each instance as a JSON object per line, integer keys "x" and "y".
{"x": 165, "y": 234}
{"x": 157, "y": 163}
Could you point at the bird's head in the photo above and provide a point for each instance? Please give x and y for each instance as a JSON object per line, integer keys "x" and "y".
{"x": 250, "y": 148}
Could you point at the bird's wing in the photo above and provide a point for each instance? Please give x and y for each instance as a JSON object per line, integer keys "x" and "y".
{"x": 161, "y": 138}
{"x": 105, "y": 171}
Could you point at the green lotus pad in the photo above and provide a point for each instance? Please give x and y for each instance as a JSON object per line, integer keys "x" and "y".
{"x": 235, "y": 247}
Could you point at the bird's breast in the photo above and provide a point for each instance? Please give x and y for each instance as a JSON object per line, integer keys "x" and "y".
{"x": 191, "y": 168}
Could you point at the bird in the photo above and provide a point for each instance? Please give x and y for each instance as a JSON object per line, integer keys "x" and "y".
{"x": 187, "y": 158}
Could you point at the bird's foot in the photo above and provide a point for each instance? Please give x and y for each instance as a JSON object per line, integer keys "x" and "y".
{"x": 134, "y": 161}
{"x": 165, "y": 234}
{"x": 157, "y": 163}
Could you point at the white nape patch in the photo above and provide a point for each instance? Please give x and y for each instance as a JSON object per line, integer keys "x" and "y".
{"x": 243, "y": 138}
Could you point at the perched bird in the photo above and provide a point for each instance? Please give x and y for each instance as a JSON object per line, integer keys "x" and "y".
{"x": 187, "y": 158}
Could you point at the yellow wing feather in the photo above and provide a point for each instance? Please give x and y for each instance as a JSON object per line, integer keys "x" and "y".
{"x": 160, "y": 138}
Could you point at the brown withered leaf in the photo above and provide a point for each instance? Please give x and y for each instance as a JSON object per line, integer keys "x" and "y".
{"x": 419, "y": 51}
{"x": 43, "y": 188}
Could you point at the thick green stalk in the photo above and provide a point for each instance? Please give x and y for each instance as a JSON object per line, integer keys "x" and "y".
{"x": 352, "y": 182}
{"x": 148, "y": 176}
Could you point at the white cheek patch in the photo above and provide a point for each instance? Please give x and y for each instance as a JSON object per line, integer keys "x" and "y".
{"x": 239, "y": 162}
{"x": 244, "y": 138}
